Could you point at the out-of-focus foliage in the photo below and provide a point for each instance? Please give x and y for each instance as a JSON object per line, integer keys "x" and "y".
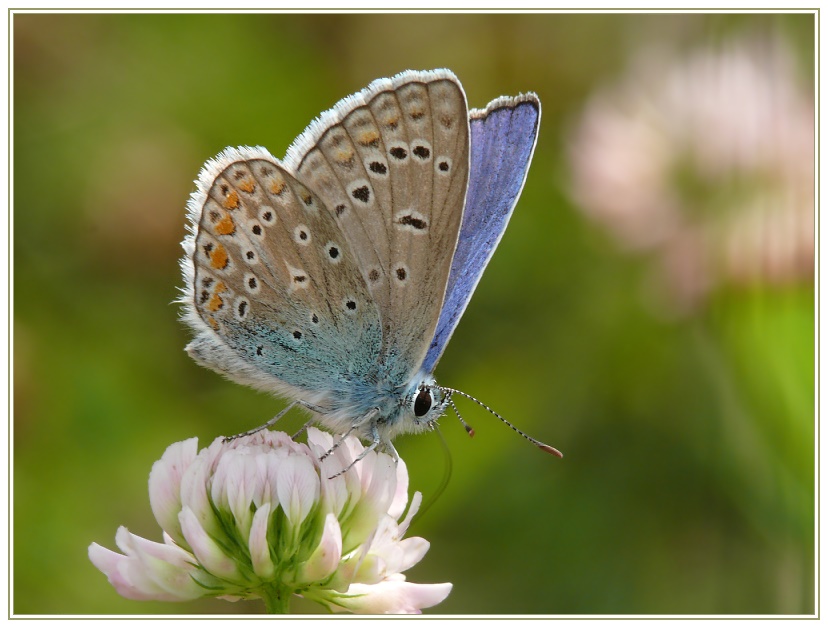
{"x": 687, "y": 427}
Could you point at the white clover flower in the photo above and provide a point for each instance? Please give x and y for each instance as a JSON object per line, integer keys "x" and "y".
{"x": 705, "y": 160}
{"x": 258, "y": 517}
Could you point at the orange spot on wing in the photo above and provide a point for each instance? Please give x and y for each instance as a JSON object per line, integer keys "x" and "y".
{"x": 215, "y": 303}
{"x": 213, "y": 323}
{"x": 344, "y": 155}
{"x": 369, "y": 138}
{"x": 225, "y": 226}
{"x": 247, "y": 186}
{"x": 231, "y": 201}
{"x": 219, "y": 257}
{"x": 277, "y": 187}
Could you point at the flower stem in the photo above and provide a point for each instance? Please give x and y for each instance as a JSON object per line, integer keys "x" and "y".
{"x": 277, "y": 600}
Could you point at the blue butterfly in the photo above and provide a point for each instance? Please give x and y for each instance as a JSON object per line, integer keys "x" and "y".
{"x": 336, "y": 277}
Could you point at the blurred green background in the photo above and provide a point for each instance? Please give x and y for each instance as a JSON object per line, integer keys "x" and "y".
{"x": 688, "y": 479}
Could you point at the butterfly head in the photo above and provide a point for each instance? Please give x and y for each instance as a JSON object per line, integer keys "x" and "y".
{"x": 425, "y": 403}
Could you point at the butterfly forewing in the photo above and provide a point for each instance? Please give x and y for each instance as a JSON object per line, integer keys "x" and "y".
{"x": 391, "y": 163}
{"x": 276, "y": 279}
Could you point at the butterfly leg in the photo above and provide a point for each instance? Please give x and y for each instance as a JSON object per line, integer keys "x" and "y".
{"x": 336, "y": 445}
{"x": 302, "y": 429}
{"x": 227, "y": 439}
{"x": 312, "y": 408}
{"x": 375, "y": 440}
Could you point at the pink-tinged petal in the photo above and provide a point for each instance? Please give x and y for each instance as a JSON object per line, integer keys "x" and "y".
{"x": 370, "y": 510}
{"x": 235, "y": 486}
{"x": 194, "y": 496}
{"x": 334, "y": 492}
{"x": 272, "y": 461}
{"x": 412, "y": 510}
{"x": 325, "y": 558}
{"x": 258, "y": 546}
{"x": 207, "y": 551}
{"x": 394, "y": 596}
{"x": 148, "y": 570}
{"x": 132, "y": 544}
{"x": 370, "y": 570}
{"x": 298, "y": 488}
{"x": 126, "y": 575}
{"x": 400, "y": 498}
{"x": 383, "y": 483}
{"x": 165, "y": 483}
{"x": 319, "y": 441}
{"x": 405, "y": 554}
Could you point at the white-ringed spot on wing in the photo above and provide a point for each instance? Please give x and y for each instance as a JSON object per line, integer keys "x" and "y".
{"x": 349, "y": 304}
{"x": 299, "y": 279}
{"x": 251, "y": 257}
{"x": 376, "y": 166}
{"x": 241, "y": 308}
{"x": 314, "y": 318}
{"x": 361, "y": 191}
{"x": 398, "y": 151}
{"x": 302, "y": 235}
{"x": 256, "y": 229}
{"x": 411, "y": 220}
{"x": 442, "y": 165}
{"x": 340, "y": 208}
{"x": 421, "y": 150}
{"x": 267, "y": 215}
{"x": 333, "y": 252}
{"x": 297, "y": 336}
{"x": 401, "y": 274}
{"x": 251, "y": 283}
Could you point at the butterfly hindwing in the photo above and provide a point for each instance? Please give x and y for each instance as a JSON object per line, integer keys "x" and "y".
{"x": 503, "y": 138}
{"x": 274, "y": 279}
{"x": 392, "y": 164}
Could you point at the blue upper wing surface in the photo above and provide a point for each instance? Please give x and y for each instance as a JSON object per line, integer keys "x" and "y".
{"x": 502, "y": 142}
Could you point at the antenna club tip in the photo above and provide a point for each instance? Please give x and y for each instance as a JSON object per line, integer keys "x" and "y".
{"x": 551, "y": 450}
{"x": 470, "y": 431}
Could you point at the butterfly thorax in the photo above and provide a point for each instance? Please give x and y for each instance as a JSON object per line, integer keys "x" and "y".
{"x": 383, "y": 405}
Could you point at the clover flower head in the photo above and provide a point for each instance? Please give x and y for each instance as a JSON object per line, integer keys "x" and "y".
{"x": 265, "y": 517}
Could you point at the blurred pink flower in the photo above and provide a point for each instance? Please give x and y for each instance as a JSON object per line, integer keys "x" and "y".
{"x": 261, "y": 516}
{"x": 706, "y": 161}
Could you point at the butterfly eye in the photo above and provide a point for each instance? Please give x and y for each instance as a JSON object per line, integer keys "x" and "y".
{"x": 422, "y": 404}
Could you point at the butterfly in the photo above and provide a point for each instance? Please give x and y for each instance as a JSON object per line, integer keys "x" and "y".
{"x": 336, "y": 276}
